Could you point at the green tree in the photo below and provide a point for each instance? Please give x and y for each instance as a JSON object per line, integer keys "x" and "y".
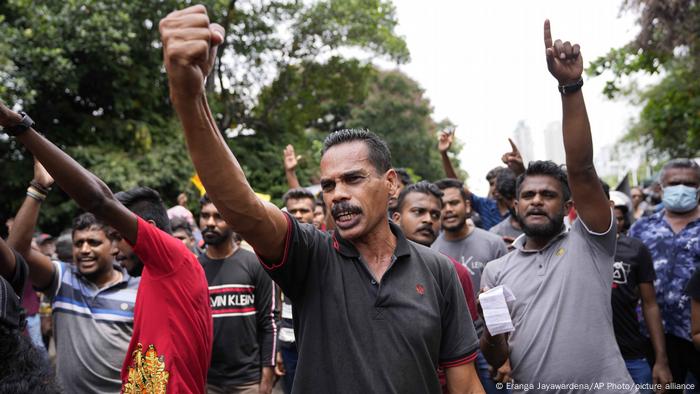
{"x": 667, "y": 44}
{"x": 90, "y": 74}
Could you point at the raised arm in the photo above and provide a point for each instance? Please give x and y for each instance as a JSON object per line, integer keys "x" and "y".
{"x": 566, "y": 65}
{"x": 88, "y": 191}
{"x": 290, "y": 167}
{"x": 514, "y": 159}
{"x": 444, "y": 143}
{"x": 189, "y": 45}
{"x": 41, "y": 270}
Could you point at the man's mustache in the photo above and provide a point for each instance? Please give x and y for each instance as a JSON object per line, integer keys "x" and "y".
{"x": 344, "y": 207}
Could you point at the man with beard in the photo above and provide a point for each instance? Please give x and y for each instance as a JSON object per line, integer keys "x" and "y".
{"x": 90, "y": 344}
{"x": 672, "y": 237}
{"x": 242, "y": 303}
{"x": 561, "y": 279}
{"x": 509, "y": 228}
{"x": 373, "y": 312}
{"x": 418, "y": 214}
{"x": 470, "y": 246}
{"x": 172, "y": 301}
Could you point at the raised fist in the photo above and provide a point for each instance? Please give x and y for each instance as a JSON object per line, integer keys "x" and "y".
{"x": 41, "y": 175}
{"x": 564, "y": 60}
{"x": 8, "y": 117}
{"x": 189, "y": 49}
{"x": 445, "y": 139}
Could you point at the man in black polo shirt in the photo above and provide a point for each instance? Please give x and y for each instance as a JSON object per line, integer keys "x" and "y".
{"x": 373, "y": 312}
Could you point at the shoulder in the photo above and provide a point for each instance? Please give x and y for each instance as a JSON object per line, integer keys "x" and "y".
{"x": 487, "y": 236}
{"x": 438, "y": 263}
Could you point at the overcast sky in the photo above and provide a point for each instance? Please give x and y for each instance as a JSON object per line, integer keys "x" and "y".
{"x": 482, "y": 65}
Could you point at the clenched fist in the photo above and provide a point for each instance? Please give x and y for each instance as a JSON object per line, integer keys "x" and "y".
{"x": 189, "y": 49}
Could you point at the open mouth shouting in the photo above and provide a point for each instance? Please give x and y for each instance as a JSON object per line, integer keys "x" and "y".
{"x": 346, "y": 215}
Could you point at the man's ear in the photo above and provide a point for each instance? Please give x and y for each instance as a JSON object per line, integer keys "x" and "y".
{"x": 392, "y": 181}
{"x": 397, "y": 218}
{"x": 153, "y": 222}
{"x": 568, "y": 205}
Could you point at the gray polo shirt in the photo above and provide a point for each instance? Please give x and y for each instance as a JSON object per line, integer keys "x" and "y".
{"x": 356, "y": 335}
{"x": 92, "y": 328}
{"x": 562, "y": 313}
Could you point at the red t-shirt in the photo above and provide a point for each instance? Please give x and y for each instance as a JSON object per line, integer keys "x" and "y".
{"x": 172, "y": 317}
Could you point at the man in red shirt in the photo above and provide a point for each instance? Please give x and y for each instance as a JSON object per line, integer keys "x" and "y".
{"x": 171, "y": 345}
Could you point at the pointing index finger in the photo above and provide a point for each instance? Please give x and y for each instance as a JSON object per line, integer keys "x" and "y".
{"x": 512, "y": 145}
{"x": 547, "y": 35}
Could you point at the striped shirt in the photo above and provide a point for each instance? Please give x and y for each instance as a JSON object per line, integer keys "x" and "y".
{"x": 92, "y": 328}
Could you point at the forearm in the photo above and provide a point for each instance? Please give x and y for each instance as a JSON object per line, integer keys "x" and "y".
{"x": 447, "y": 166}
{"x": 578, "y": 143}
{"x": 463, "y": 380}
{"x": 494, "y": 348}
{"x": 267, "y": 377}
{"x": 224, "y": 179}
{"x": 652, "y": 317}
{"x": 88, "y": 191}
{"x": 20, "y": 237}
{"x": 292, "y": 180}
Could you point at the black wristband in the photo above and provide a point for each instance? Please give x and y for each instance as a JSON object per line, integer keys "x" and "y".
{"x": 571, "y": 88}
{"x": 24, "y": 124}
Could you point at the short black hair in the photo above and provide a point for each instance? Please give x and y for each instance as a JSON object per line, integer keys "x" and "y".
{"x": 404, "y": 178}
{"x": 447, "y": 183}
{"x": 147, "y": 204}
{"x": 493, "y": 173}
{"x": 298, "y": 193}
{"x": 378, "y": 151}
{"x": 180, "y": 223}
{"x": 204, "y": 200}
{"x": 23, "y": 368}
{"x": 424, "y": 187}
{"x": 545, "y": 168}
{"x": 64, "y": 246}
{"x": 87, "y": 221}
{"x": 505, "y": 184}
{"x": 680, "y": 163}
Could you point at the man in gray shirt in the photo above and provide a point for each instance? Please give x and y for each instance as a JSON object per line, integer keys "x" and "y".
{"x": 563, "y": 340}
{"x": 470, "y": 246}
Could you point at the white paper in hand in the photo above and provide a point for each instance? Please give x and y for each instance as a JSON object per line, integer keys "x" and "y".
{"x": 494, "y": 303}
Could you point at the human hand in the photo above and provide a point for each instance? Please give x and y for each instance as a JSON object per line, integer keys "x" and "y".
{"x": 42, "y": 176}
{"x": 513, "y": 159}
{"x": 564, "y": 60}
{"x": 189, "y": 49}
{"x": 445, "y": 138}
{"x": 661, "y": 375}
{"x": 290, "y": 158}
{"x": 503, "y": 373}
{"x": 279, "y": 365}
{"x": 8, "y": 117}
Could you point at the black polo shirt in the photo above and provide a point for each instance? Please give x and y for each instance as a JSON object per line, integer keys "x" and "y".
{"x": 355, "y": 335}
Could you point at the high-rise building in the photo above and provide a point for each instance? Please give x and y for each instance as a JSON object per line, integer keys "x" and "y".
{"x": 522, "y": 136}
{"x": 554, "y": 143}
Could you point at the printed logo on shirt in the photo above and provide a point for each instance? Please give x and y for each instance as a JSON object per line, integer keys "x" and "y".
{"x": 147, "y": 372}
{"x": 420, "y": 289}
{"x": 620, "y": 272}
{"x": 471, "y": 265}
{"x": 232, "y": 300}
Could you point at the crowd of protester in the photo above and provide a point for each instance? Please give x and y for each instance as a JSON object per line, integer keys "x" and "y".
{"x": 371, "y": 285}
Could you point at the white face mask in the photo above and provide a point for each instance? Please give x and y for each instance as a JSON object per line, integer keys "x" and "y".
{"x": 680, "y": 198}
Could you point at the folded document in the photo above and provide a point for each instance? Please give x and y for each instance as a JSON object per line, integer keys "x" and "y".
{"x": 494, "y": 303}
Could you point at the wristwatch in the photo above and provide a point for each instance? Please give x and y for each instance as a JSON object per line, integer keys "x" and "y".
{"x": 571, "y": 88}
{"x": 24, "y": 124}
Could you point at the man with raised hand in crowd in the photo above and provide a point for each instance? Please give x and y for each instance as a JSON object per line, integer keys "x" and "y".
{"x": 492, "y": 209}
{"x": 243, "y": 304}
{"x": 563, "y": 339}
{"x": 672, "y": 236}
{"x": 172, "y": 302}
{"x": 373, "y": 312}
{"x": 92, "y": 296}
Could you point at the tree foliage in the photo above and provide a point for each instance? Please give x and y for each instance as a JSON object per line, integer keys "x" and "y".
{"x": 90, "y": 74}
{"x": 667, "y": 44}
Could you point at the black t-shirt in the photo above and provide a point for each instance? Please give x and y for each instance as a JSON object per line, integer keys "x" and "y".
{"x": 241, "y": 296}
{"x": 357, "y": 335}
{"x": 693, "y": 287}
{"x": 10, "y": 293}
{"x": 633, "y": 265}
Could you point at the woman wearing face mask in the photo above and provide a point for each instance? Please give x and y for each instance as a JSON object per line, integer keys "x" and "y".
{"x": 672, "y": 235}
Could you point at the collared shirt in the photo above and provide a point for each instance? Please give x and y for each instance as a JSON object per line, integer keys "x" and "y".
{"x": 676, "y": 257}
{"x": 92, "y": 326}
{"x": 562, "y": 312}
{"x": 358, "y": 335}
